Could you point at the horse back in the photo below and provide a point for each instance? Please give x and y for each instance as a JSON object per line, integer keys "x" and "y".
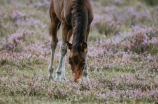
{"x": 63, "y": 10}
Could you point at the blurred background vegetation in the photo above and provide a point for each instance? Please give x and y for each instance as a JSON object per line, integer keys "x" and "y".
{"x": 122, "y": 56}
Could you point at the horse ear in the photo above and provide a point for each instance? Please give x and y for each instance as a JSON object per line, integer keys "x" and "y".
{"x": 69, "y": 45}
{"x": 84, "y": 47}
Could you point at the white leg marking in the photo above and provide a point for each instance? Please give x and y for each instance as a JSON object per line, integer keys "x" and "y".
{"x": 61, "y": 67}
{"x": 51, "y": 67}
{"x": 85, "y": 72}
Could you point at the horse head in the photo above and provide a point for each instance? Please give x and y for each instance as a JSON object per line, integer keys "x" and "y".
{"x": 77, "y": 59}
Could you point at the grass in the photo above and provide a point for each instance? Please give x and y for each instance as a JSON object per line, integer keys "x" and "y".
{"x": 117, "y": 72}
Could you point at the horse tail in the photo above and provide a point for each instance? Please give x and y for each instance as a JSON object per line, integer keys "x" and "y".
{"x": 78, "y": 18}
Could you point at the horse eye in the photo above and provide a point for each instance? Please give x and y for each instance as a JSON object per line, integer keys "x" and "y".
{"x": 70, "y": 62}
{"x": 82, "y": 64}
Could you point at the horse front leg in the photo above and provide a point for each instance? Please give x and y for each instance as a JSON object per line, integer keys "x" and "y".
{"x": 85, "y": 71}
{"x": 61, "y": 67}
{"x": 63, "y": 50}
{"x": 51, "y": 65}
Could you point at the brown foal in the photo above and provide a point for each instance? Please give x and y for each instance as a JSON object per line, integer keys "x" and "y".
{"x": 75, "y": 16}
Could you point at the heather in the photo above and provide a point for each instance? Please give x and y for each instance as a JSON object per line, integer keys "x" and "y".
{"x": 122, "y": 54}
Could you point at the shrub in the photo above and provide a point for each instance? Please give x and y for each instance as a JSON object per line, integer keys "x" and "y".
{"x": 151, "y": 2}
{"x": 143, "y": 40}
{"x": 116, "y": 2}
{"x": 106, "y": 25}
{"x": 109, "y": 28}
{"x": 139, "y": 42}
{"x": 14, "y": 42}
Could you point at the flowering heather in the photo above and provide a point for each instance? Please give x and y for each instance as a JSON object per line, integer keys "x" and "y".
{"x": 122, "y": 55}
{"x": 14, "y": 41}
{"x": 142, "y": 39}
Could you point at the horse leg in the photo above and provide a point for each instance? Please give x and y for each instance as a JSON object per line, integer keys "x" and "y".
{"x": 53, "y": 32}
{"x": 85, "y": 71}
{"x": 63, "y": 50}
{"x": 69, "y": 35}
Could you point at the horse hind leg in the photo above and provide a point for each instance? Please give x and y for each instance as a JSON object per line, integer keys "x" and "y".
{"x": 63, "y": 50}
{"x": 53, "y": 32}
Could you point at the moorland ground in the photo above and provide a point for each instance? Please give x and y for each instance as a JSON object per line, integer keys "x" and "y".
{"x": 122, "y": 54}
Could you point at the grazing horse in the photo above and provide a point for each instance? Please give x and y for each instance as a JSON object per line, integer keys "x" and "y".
{"x": 75, "y": 16}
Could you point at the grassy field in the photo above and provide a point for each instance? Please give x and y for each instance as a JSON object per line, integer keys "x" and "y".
{"x": 122, "y": 56}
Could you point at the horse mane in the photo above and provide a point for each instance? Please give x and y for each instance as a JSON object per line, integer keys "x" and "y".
{"x": 78, "y": 22}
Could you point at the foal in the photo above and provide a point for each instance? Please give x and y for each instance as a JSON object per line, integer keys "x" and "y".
{"x": 75, "y": 16}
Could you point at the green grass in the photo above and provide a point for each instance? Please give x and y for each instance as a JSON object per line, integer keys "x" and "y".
{"x": 112, "y": 69}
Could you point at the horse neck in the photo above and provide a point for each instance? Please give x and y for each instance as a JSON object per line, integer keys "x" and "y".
{"x": 80, "y": 29}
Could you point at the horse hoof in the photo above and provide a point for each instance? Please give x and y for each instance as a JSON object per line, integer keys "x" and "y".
{"x": 57, "y": 78}
{"x": 63, "y": 78}
{"x": 51, "y": 69}
{"x": 50, "y": 76}
{"x": 86, "y": 79}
